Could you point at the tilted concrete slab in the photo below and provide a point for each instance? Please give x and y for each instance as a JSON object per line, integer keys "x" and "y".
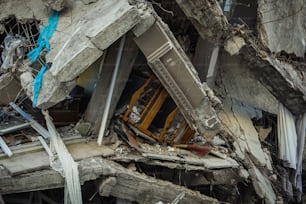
{"x": 174, "y": 69}
{"x": 82, "y": 35}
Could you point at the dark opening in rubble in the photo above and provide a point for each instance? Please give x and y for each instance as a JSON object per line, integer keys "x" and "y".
{"x": 148, "y": 110}
{"x": 179, "y": 24}
{"x": 267, "y": 130}
{"x": 244, "y": 12}
{"x": 25, "y": 30}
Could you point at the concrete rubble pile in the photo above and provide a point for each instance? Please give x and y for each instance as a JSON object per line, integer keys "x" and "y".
{"x": 135, "y": 101}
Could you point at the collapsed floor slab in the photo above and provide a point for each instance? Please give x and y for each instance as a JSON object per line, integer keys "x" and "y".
{"x": 91, "y": 167}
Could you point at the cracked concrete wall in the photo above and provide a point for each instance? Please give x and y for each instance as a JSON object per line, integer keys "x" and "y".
{"x": 238, "y": 82}
{"x": 282, "y": 25}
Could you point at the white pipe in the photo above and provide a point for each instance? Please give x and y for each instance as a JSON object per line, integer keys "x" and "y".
{"x": 5, "y": 148}
{"x": 110, "y": 93}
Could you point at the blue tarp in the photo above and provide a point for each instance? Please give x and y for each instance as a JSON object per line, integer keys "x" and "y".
{"x": 42, "y": 42}
{"x": 44, "y": 36}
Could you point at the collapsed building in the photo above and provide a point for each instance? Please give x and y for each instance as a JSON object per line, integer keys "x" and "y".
{"x": 152, "y": 101}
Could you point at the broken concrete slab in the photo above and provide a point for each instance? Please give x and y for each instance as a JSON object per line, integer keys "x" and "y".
{"x": 56, "y": 91}
{"x": 282, "y": 79}
{"x": 207, "y": 17}
{"x": 262, "y": 185}
{"x": 144, "y": 189}
{"x": 129, "y": 185}
{"x": 208, "y": 162}
{"x": 236, "y": 119}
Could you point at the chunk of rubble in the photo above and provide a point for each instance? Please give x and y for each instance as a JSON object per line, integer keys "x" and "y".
{"x": 233, "y": 45}
{"x": 56, "y": 5}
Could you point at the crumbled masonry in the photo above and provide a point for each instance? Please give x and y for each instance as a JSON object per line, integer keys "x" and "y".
{"x": 137, "y": 101}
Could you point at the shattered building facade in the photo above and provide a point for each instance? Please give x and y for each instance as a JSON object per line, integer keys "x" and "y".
{"x": 135, "y": 101}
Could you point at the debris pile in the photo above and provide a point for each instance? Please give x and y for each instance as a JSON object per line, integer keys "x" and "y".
{"x": 122, "y": 101}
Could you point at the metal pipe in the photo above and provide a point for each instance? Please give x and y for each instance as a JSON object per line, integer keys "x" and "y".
{"x": 5, "y": 148}
{"x": 15, "y": 128}
{"x": 35, "y": 125}
{"x": 110, "y": 93}
{"x": 45, "y": 146}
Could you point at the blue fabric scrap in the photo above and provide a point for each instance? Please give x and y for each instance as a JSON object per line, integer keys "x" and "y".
{"x": 37, "y": 84}
{"x": 44, "y": 36}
